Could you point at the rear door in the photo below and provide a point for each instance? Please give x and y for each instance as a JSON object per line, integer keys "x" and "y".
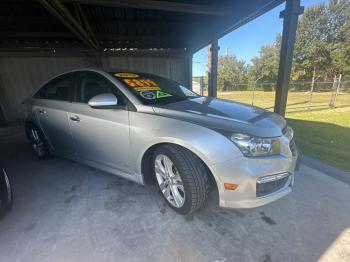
{"x": 53, "y": 103}
{"x": 101, "y": 136}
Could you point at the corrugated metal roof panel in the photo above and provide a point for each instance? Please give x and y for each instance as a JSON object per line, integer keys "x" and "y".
{"x": 120, "y": 26}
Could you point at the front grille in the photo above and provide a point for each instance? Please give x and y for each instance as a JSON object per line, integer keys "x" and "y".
{"x": 264, "y": 189}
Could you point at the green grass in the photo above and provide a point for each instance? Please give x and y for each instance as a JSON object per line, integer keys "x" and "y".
{"x": 320, "y": 132}
{"x": 323, "y": 135}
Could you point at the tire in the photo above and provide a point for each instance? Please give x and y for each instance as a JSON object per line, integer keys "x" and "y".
{"x": 38, "y": 142}
{"x": 184, "y": 177}
{"x": 6, "y": 194}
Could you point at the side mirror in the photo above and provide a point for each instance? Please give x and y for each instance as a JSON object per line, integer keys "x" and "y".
{"x": 105, "y": 100}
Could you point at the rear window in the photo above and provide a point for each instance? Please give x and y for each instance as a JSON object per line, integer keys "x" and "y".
{"x": 152, "y": 89}
{"x": 58, "y": 88}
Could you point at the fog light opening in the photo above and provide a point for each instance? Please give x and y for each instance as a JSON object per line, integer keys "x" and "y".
{"x": 271, "y": 178}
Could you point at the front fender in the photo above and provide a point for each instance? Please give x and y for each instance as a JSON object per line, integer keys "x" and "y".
{"x": 147, "y": 130}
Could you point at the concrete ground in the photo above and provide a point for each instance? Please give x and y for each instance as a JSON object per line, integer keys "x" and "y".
{"x": 64, "y": 211}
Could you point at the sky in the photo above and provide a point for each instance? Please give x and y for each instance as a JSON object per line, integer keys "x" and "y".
{"x": 245, "y": 42}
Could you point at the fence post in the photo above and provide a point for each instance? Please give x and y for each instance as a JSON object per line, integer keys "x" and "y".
{"x": 201, "y": 85}
{"x": 254, "y": 86}
{"x": 331, "y": 103}
{"x": 312, "y": 86}
{"x": 335, "y": 90}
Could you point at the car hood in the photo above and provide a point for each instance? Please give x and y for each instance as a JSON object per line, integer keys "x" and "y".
{"x": 224, "y": 115}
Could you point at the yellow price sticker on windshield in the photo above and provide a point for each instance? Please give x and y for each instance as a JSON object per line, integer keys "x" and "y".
{"x": 126, "y": 75}
{"x": 136, "y": 83}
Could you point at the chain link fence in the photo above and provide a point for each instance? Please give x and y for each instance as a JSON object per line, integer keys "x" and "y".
{"x": 303, "y": 95}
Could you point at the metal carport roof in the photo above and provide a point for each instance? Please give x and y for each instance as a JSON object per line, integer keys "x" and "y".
{"x": 113, "y": 24}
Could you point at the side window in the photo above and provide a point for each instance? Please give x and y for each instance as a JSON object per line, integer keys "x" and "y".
{"x": 57, "y": 89}
{"x": 92, "y": 84}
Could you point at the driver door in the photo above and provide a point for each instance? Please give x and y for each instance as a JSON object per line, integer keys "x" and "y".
{"x": 101, "y": 136}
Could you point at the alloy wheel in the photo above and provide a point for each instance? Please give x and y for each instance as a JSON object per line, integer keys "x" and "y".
{"x": 169, "y": 180}
{"x": 36, "y": 142}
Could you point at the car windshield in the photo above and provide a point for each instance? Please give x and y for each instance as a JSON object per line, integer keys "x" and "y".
{"x": 152, "y": 89}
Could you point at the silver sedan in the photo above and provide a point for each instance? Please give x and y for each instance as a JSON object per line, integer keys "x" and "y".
{"x": 146, "y": 128}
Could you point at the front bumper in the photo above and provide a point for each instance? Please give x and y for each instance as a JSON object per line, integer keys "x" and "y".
{"x": 245, "y": 172}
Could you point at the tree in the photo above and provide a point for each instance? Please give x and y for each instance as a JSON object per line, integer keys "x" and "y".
{"x": 311, "y": 50}
{"x": 322, "y": 49}
{"x": 340, "y": 48}
{"x": 266, "y": 65}
{"x": 320, "y": 40}
{"x": 231, "y": 71}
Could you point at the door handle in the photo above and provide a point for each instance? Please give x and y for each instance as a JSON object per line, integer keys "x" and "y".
{"x": 75, "y": 118}
{"x": 42, "y": 111}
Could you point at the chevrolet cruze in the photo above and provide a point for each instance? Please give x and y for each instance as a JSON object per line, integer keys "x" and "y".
{"x": 144, "y": 127}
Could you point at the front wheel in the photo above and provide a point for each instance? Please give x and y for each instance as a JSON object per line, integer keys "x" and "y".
{"x": 182, "y": 178}
{"x": 38, "y": 142}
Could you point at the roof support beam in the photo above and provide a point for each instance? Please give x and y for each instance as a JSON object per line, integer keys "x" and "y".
{"x": 188, "y": 71}
{"x": 102, "y": 37}
{"x": 33, "y": 35}
{"x": 79, "y": 26}
{"x": 290, "y": 23}
{"x": 106, "y": 44}
{"x": 83, "y": 51}
{"x": 213, "y": 68}
{"x": 157, "y": 5}
{"x": 108, "y": 22}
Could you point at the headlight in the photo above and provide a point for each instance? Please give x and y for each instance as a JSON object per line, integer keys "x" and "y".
{"x": 256, "y": 146}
